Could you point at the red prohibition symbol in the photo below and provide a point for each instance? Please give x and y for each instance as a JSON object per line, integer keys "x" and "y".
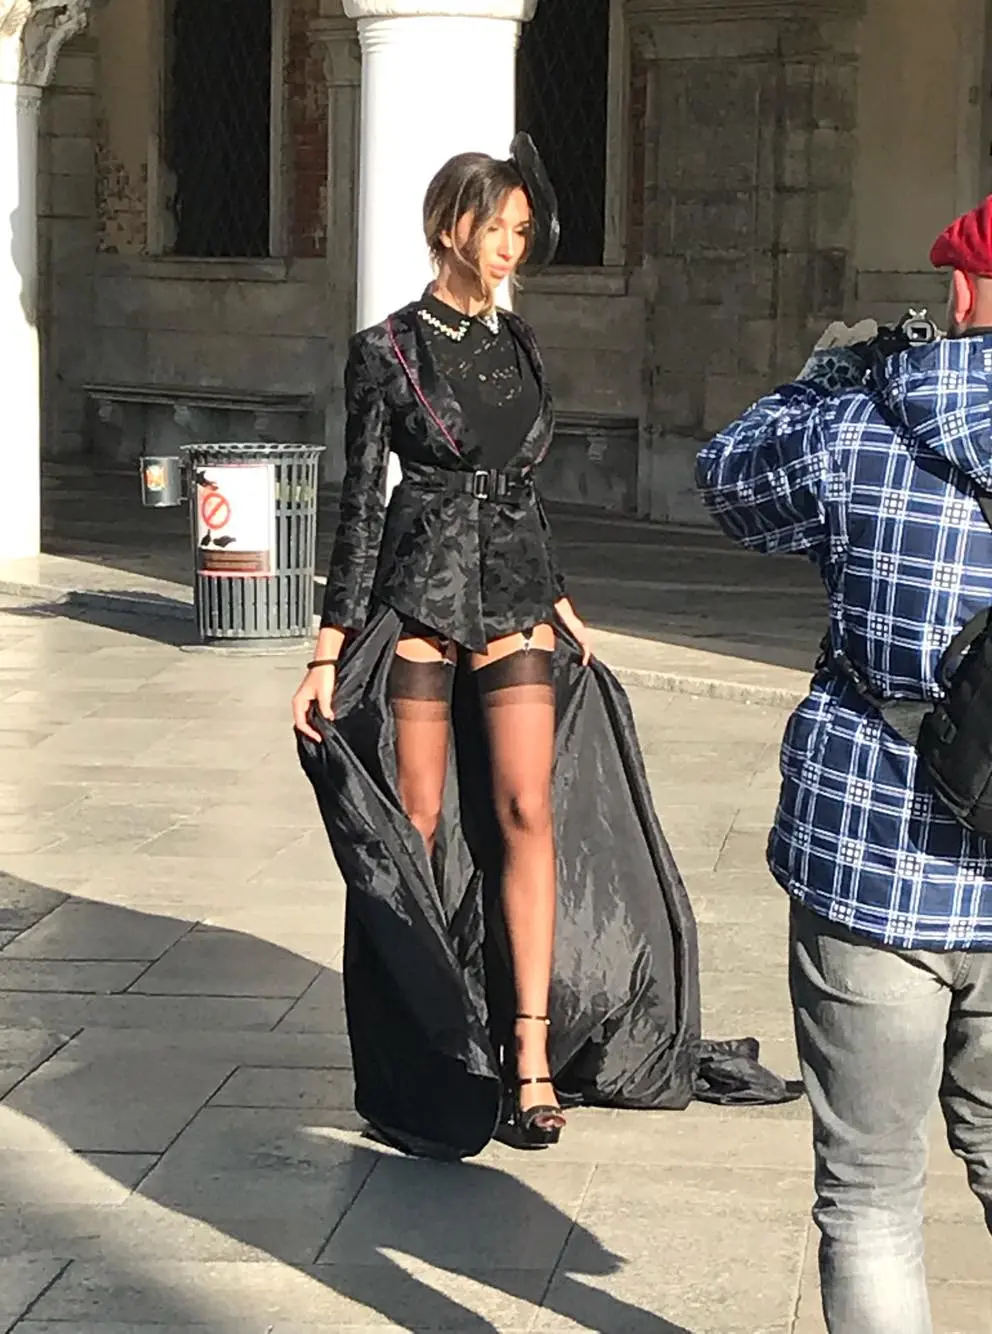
{"x": 215, "y": 510}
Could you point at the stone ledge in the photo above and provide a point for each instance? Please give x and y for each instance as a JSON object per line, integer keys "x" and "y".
{"x": 178, "y": 268}
{"x": 683, "y": 670}
{"x": 61, "y": 581}
{"x": 603, "y": 281}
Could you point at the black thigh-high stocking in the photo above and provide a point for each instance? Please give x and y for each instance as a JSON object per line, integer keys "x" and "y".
{"x": 517, "y": 695}
{"x": 420, "y": 698}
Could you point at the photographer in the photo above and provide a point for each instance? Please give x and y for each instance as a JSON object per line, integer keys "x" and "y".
{"x": 876, "y": 464}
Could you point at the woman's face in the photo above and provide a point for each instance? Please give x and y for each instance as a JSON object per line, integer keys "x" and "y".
{"x": 503, "y": 240}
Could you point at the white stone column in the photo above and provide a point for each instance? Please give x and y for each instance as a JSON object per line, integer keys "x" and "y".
{"x": 438, "y": 78}
{"x": 20, "y": 405}
{"x": 32, "y": 32}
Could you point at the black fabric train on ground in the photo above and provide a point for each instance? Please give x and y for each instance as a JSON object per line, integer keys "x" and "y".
{"x": 427, "y": 979}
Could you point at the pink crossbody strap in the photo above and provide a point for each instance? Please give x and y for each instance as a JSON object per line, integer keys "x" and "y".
{"x": 417, "y": 389}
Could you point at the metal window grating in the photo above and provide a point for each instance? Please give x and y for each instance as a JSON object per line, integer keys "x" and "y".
{"x": 218, "y": 126}
{"x": 562, "y": 90}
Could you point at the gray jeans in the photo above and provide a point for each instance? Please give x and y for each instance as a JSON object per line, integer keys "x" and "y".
{"x": 882, "y": 1034}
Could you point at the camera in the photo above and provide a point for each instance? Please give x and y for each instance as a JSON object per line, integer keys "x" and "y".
{"x": 915, "y": 329}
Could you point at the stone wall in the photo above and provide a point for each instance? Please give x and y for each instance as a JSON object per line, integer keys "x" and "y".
{"x": 306, "y": 132}
{"x": 799, "y": 158}
{"x": 67, "y": 242}
{"x": 788, "y": 162}
{"x": 121, "y": 309}
{"x": 281, "y": 324}
{"x": 121, "y": 36}
{"x": 591, "y": 330}
{"x": 924, "y": 147}
{"x": 750, "y": 154}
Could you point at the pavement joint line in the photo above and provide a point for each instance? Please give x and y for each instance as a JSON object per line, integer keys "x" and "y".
{"x": 573, "y": 1224}
{"x": 26, "y": 1313}
{"x": 144, "y": 606}
{"x": 34, "y": 1070}
{"x": 808, "y": 1242}
{"x": 377, "y": 1159}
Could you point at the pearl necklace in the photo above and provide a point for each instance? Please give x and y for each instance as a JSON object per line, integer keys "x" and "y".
{"x": 490, "y": 320}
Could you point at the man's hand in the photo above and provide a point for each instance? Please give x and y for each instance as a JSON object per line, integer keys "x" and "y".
{"x": 840, "y": 334}
{"x": 838, "y": 361}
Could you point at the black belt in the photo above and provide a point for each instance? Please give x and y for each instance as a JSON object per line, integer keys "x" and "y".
{"x": 483, "y": 484}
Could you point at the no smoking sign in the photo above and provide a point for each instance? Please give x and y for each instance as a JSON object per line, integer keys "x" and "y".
{"x": 235, "y": 520}
{"x": 215, "y": 510}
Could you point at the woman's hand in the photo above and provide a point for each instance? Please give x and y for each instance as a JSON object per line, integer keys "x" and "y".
{"x": 576, "y": 626}
{"x": 318, "y": 684}
{"x": 316, "y": 687}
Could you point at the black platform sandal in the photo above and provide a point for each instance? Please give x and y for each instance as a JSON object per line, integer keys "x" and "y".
{"x": 540, "y": 1126}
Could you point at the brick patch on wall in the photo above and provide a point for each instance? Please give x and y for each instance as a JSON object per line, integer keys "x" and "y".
{"x": 306, "y": 118}
{"x": 637, "y": 146}
{"x": 121, "y": 200}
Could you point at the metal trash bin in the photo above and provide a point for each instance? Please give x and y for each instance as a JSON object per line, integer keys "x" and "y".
{"x": 253, "y": 515}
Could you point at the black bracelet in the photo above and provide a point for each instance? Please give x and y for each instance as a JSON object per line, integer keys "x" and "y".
{"x": 322, "y": 662}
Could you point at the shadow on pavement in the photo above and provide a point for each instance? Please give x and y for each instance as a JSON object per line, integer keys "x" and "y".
{"x": 158, "y": 619}
{"x": 194, "y": 1130}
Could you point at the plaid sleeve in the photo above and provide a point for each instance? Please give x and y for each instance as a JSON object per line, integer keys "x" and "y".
{"x": 763, "y": 478}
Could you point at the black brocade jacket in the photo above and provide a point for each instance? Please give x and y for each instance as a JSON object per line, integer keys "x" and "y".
{"x": 470, "y": 569}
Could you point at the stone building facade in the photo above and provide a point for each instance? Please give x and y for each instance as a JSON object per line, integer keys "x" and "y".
{"x": 770, "y": 165}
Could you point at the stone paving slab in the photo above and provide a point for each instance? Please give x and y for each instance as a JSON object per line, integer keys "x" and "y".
{"x": 95, "y": 977}
{"x": 273, "y": 1086}
{"x": 231, "y": 1047}
{"x": 24, "y": 1280}
{"x": 70, "y": 1097}
{"x": 23, "y": 904}
{"x": 139, "y": 1012}
{"x": 213, "y": 1327}
{"x": 262, "y": 1295}
{"x": 78, "y": 930}
{"x": 183, "y": 1155}
{"x": 205, "y": 964}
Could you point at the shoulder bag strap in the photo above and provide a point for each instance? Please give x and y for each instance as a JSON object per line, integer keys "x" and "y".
{"x": 415, "y": 385}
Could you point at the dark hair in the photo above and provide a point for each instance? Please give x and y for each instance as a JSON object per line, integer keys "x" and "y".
{"x": 472, "y": 183}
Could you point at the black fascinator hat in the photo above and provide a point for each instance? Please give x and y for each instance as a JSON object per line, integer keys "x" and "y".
{"x": 543, "y": 200}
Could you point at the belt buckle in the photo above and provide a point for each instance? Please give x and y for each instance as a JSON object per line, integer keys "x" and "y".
{"x": 480, "y": 485}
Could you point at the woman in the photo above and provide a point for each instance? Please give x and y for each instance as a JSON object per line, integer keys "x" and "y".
{"x": 448, "y": 618}
{"x": 477, "y": 221}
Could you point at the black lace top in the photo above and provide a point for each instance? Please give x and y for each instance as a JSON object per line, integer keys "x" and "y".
{"x": 490, "y": 375}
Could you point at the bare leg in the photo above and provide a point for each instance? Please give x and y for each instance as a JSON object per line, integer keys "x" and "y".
{"x": 420, "y": 696}
{"x": 518, "y": 699}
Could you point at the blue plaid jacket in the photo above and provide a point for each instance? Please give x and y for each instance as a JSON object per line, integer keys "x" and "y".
{"x": 877, "y": 484}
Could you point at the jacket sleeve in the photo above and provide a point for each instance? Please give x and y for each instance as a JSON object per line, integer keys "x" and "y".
{"x": 764, "y": 478}
{"x": 554, "y": 569}
{"x": 363, "y": 495}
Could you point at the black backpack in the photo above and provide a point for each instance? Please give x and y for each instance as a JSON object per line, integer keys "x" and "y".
{"x": 953, "y": 736}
